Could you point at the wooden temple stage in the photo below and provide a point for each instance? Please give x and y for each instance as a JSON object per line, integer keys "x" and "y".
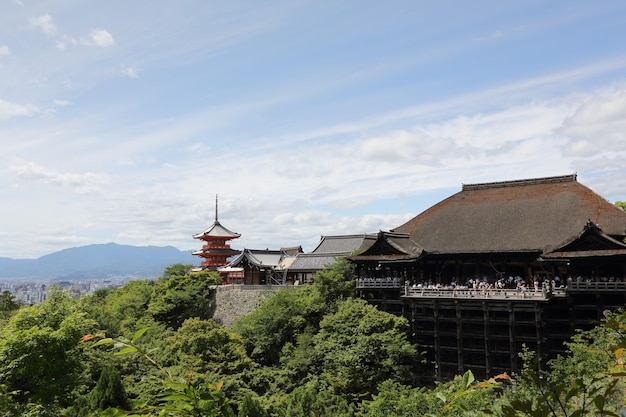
{"x": 485, "y": 330}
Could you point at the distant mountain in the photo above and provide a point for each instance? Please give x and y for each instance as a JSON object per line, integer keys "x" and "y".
{"x": 97, "y": 261}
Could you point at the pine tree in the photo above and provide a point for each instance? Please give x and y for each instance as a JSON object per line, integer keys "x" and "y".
{"x": 250, "y": 407}
{"x": 109, "y": 391}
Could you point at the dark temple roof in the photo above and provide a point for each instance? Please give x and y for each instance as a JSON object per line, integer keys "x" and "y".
{"x": 312, "y": 262}
{"x": 329, "y": 250}
{"x": 258, "y": 257}
{"x": 391, "y": 247}
{"x": 533, "y": 215}
{"x": 344, "y": 244}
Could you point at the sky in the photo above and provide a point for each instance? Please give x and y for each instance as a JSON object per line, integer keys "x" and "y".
{"x": 121, "y": 121}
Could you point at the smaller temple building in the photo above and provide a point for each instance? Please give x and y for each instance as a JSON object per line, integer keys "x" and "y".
{"x": 328, "y": 250}
{"x": 260, "y": 267}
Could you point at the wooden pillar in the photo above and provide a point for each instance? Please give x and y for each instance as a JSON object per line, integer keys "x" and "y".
{"x": 436, "y": 340}
{"x": 539, "y": 336}
{"x": 512, "y": 340}
{"x": 459, "y": 338}
{"x": 487, "y": 339}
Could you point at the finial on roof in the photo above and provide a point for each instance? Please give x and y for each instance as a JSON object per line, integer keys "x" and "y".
{"x": 215, "y": 207}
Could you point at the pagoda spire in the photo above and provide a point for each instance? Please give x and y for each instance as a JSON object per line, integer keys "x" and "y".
{"x": 216, "y": 208}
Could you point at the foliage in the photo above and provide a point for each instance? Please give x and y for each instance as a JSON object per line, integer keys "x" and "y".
{"x": 178, "y": 398}
{"x": 315, "y": 399}
{"x": 335, "y": 283}
{"x": 8, "y": 306}
{"x": 588, "y": 381}
{"x": 180, "y": 297}
{"x": 360, "y": 347}
{"x": 318, "y": 351}
{"x": 121, "y": 311}
{"x": 204, "y": 346}
{"x": 7, "y": 301}
{"x": 621, "y": 205}
{"x": 109, "y": 391}
{"x": 176, "y": 270}
{"x": 464, "y": 396}
{"x": 396, "y": 400}
{"x": 278, "y": 320}
{"x": 250, "y": 407}
{"x": 40, "y": 357}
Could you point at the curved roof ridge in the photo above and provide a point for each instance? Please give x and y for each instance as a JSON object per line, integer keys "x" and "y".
{"x": 513, "y": 183}
{"x": 217, "y": 230}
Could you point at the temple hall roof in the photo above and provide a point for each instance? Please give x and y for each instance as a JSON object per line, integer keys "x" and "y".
{"x": 533, "y": 215}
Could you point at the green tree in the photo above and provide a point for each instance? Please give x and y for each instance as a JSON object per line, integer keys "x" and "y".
{"x": 396, "y": 400}
{"x": 8, "y": 305}
{"x": 176, "y": 270}
{"x": 109, "y": 391}
{"x": 180, "y": 398}
{"x": 334, "y": 283}
{"x": 205, "y": 346}
{"x": 277, "y": 321}
{"x": 621, "y": 205}
{"x": 360, "y": 347}
{"x": 588, "y": 380}
{"x": 315, "y": 398}
{"x": 250, "y": 407}
{"x": 40, "y": 356}
{"x": 180, "y": 297}
{"x": 7, "y": 301}
{"x": 121, "y": 311}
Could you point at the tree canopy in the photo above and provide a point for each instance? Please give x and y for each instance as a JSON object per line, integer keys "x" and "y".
{"x": 152, "y": 347}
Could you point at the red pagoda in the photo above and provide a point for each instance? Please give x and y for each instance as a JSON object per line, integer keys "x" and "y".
{"x": 216, "y": 249}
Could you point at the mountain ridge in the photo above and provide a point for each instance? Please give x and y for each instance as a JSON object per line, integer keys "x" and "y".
{"x": 96, "y": 261}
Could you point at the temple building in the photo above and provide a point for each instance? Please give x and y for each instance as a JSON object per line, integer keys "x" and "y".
{"x": 498, "y": 266}
{"x": 216, "y": 248}
{"x": 328, "y": 250}
{"x": 261, "y": 267}
{"x": 547, "y": 227}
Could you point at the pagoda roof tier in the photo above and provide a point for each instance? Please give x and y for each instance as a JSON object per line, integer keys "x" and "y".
{"x": 216, "y": 252}
{"x": 217, "y": 231}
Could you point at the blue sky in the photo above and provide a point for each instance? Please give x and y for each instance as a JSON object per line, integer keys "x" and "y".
{"x": 120, "y": 121}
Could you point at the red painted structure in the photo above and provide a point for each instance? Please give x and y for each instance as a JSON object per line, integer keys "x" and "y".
{"x": 216, "y": 248}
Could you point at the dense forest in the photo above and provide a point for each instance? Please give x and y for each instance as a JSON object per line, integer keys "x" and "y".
{"x": 151, "y": 348}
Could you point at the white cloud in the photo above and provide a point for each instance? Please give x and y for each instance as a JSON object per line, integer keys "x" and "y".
{"x": 45, "y": 24}
{"x": 61, "y": 103}
{"x": 4, "y": 50}
{"x": 98, "y": 37}
{"x": 129, "y": 72}
{"x": 417, "y": 147}
{"x": 61, "y": 45}
{"x": 9, "y": 110}
{"x": 85, "y": 183}
{"x": 597, "y": 127}
{"x": 198, "y": 148}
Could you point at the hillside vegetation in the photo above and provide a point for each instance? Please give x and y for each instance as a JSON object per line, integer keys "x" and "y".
{"x": 154, "y": 348}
